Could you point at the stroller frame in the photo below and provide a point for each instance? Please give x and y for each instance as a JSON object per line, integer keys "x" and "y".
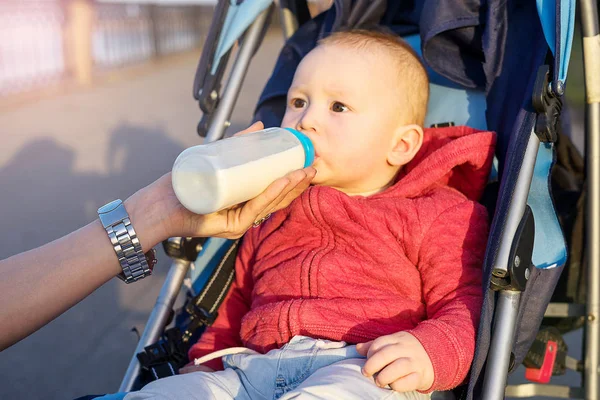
{"x": 590, "y": 29}
{"x": 179, "y": 269}
{"x": 505, "y": 320}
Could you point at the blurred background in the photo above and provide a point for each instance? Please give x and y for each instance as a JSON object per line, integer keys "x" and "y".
{"x": 95, "y": 103}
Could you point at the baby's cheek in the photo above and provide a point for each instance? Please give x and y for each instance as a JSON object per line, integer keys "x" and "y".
{"x": 287, "y": 121}
{"x": 360, "y": 164}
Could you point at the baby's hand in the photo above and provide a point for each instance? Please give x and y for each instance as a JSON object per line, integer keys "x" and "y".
{"x": 401, "y": 361}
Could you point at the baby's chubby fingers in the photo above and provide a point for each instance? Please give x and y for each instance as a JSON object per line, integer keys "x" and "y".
{"x": 380, "y": 358}
{"x": 395, "y": 371}
{"x": 408, "y": 383}
{"x": 378, "y": 344}
{"x": 370, "y": 348}
{"x": 363, "y": 348}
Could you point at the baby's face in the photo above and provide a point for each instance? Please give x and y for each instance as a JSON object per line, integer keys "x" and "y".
{"x": 346, "y": 102}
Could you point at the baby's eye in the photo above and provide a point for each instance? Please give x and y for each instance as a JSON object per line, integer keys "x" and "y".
{"x": 298, "y": 103}
{"x": 338, "y": 107}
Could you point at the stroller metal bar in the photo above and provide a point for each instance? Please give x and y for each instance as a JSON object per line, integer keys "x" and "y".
{"x": 532, "y": 389}
{"x": 507, "y": 310}
{"x": 158, "y": 319}
{"x": 172, "y": 285}
{"x": 565, "y": 310}
{"x": 517, "y": 208}
{"x": 590, "y": 30}
{"x": 589, "y": 18}
{"x": 573, "y": 364}
{"x": 252, "y": 37}
{"x": 592, "y": 359}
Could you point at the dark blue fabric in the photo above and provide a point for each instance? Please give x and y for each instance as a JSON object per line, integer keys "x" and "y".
{"x": 462, "y": 40}
{"x": 272, "y": 102}
{"x": 557, "y": 45}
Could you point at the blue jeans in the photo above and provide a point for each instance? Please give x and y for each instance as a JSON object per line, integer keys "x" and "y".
{"x": 304, "y": 368}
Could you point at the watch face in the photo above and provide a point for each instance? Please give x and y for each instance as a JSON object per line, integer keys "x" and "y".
{"x": 109, "y": 207}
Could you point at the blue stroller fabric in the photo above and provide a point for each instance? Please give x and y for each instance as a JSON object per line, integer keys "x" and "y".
{"x": 558, "y": 24}
{"x": 239, "y": 18}
{"x": 469, "y": 43}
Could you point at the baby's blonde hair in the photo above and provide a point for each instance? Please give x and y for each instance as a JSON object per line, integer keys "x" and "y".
{"x": 411, "y": 71}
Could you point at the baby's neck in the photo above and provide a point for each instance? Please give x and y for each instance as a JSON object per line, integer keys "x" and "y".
{"x": 376, "y": 186}
{"x": 370, "y": 192}
{"x": 364, "y": 193}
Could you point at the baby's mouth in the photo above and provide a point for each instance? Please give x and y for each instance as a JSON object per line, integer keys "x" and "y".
{"x": 317, "y": 158}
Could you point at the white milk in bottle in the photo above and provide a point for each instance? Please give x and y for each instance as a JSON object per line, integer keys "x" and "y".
{"x": 214, "y": 176}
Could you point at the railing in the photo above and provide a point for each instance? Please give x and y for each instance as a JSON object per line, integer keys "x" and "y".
{"x": 46, "y": 41}
{"x": 122, "y": 35}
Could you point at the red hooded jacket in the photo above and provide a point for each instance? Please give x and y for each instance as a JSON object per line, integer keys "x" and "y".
{"x": 336, "y": 267}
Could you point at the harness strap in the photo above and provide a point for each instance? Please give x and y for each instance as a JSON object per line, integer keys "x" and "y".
{"x": 203, "y": 308}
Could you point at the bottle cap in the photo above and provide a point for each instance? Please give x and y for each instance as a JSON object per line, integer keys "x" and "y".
{"x": 309, "y": 150}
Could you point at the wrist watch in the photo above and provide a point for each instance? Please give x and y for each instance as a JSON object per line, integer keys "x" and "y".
{"x": 136, "y": 265}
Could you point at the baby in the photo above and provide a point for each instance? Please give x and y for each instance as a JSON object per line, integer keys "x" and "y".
{"x": 368, "y": 286}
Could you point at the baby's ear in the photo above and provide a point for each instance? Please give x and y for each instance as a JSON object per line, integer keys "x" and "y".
{"x": 406, "y": 143}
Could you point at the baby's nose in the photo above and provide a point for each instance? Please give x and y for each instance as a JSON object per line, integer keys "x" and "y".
{"x": 308, "y": 122}
{"x": 304, "y": 128}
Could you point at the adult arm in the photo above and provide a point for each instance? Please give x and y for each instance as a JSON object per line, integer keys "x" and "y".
{"x": 40, "y": 284}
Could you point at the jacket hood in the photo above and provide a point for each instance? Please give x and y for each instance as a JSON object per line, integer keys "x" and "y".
{"x": 457, "y": 156}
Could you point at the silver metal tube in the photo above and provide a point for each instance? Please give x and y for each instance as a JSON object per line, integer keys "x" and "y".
{"x": 590, "y": 32}
{"x": 177, "y": 272}
{"x": 223, "y": 112}
{"x": 589, "y": 18}
{"x": 157, "y": 320}
{"x": 592, "y": 334}
{"x": 503, "y": 334}
{"x": 528, "y": 390}
{"x": 517, "y": 206}
{"x": 289, "y": 23}
{"x": 560, "y": 310}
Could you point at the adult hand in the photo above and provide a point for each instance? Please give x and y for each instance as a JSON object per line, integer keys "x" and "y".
{"x": 157, "y": 214}
{"x": 399, "y": 360}
{"x": 67, "y": 270}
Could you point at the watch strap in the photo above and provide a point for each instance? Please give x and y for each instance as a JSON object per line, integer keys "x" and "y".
{"x": 129, "y": 251}
{"x": 125, "y": 242}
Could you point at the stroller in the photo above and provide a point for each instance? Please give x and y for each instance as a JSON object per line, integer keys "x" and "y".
{"x": 482, "y": 75}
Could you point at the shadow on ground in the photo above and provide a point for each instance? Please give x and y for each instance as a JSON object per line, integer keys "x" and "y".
{"x": 43, "y": 198}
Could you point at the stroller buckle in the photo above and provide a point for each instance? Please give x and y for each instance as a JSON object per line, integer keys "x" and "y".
{"x": 165, "y": 357}
{"x": 198, "y": 317}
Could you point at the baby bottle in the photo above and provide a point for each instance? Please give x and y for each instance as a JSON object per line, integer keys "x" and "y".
{"x": 217, "y": 175}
